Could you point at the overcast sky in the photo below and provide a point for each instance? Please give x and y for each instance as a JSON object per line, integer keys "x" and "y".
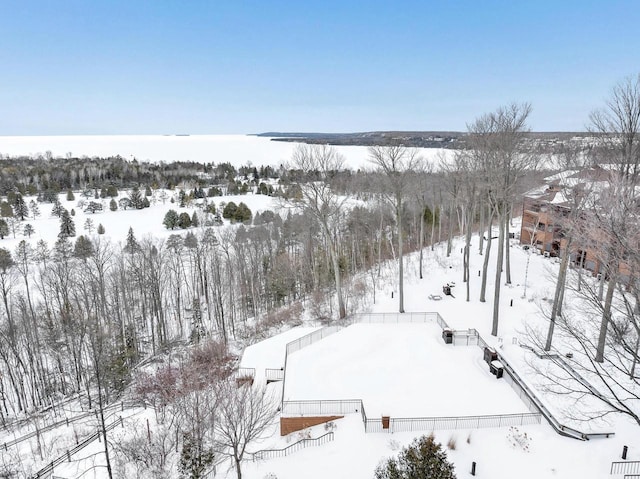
{"x": 138, "y": 67}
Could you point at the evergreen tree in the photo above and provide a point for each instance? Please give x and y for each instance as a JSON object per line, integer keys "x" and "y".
{"x": 229, "y": 211}
{"x": 4, "y": 229}
{"x": 5, "y": 210}
{"x": 145, "y": 202}
{"x": 135, "y": 197}
{"x": 20, "y": 207}
{"x": 113, "y": 206}
{"x": 112, "y": 191}
{"x": 171, "y": 219}
{"x": 35, "y": 210}
{"x": 243, "y": 213}
{"x": 194, "y": 459}
{"x": 132, "y": 244}
{"x": 147, "y": 191}
{"x": 100, "y": 229}
{"x": 67, "y": 226}
{"x": 83, "y": 248}
{"x": 70, "y": 195}
{"x": 423, "y": 458}
{"x": 93, "y": 206}
{"x": 28, "y": 230}
{"x": 57, "y": 208}
{"x": 184, "y": 220}
{"x": 88, "y": 225}
{"x": 195, "y": 222}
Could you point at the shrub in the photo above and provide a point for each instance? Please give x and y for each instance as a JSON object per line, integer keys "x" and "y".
{"x": 451, "y": 444}
{"x": 423, "y": 458}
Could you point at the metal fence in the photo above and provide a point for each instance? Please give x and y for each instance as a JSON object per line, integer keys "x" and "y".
{"x": 322, "y": 407}
{"x": 395, "y": 318}
{"x": 470, "y": 337}
{"x": 296, "y": 446}
{"x": 311, "y": 338}
{"x": 47, "y": 470}
{"x": 246, "y": 373}
{"x": 625, "y": 467}
{"x": 274, "y": 374}
{"x": 463, "y": 422}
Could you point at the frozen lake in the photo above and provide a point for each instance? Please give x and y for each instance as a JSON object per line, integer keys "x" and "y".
{"x": 238, "y": 150}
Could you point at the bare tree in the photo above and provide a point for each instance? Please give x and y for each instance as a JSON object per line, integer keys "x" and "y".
{"x": 321, "y": 202}
{"x": 243, "y": 416}
{"x": 618, "y": 129}
{"x": 496, "y": 142}
{"x": 398, "y": 165}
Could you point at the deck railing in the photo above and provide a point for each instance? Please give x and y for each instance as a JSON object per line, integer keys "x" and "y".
{"x": 296, "y": 446}
{"x": 625, "y": 467}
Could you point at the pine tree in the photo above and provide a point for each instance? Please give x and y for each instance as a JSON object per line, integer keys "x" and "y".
{"x": 171, "y": 219}
{"x": 135, "y": 197}
{"x": 243, "y": 213}
{"x": 4, "y": 229}
{"x": 35, "y": 209}
{"x": 229, "y": 211}
{"x": 88, "y": 225}
{"x": 70, "y": 195}
{"x": 113, "y": 206}
{"x": 20, "y": 207}
{"x": 193, "y": 458}
{"x": 5, "y": 210}
{"x": 423, "y": 458}
{"x": 83, "y": 248}
{"x": 100, "y": 229}
{"x": 67, "y": 226}
{"x": 28, "y": 230}
{"x": 132, "y": 244}
{"x": 57, "y": 208}
{"x": 184, "y": 220}
{"x": 195, "y": 222}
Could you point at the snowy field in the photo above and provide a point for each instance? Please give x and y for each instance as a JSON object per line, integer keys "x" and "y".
{"x": 238, "y": 150}
{"x": 399, "y": 370}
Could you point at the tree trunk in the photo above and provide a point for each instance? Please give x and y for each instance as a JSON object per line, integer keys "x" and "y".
{"x": 507, "y": 251}
{"x": 558, "y": 295}
{"x": 421, "y": 241}
{"x": 496, "y": 295}
{"x": 485, "y": 263}
{"x": 400, "y": 257}
{"x": 481, "y": 229}
{"x": 606, "y": 317}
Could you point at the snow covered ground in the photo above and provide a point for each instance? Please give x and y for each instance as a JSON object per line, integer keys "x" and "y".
{"x": 326, "y": 370}
{"x": 449, "y": 379}
{"x": 399, "y": 370}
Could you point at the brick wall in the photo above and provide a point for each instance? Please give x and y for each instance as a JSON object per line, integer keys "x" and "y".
{"x": 293, "y": 424}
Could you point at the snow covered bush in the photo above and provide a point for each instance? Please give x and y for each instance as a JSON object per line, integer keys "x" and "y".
{"x": 422, "y": 458}
{"x": 519, "y": 440}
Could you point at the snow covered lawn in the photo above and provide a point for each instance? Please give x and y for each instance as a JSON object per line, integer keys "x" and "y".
{"x": 400, "y": 370}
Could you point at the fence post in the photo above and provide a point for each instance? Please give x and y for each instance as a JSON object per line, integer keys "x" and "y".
{"x": 473, "y": 468}
{"x": 624, "y": 452}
